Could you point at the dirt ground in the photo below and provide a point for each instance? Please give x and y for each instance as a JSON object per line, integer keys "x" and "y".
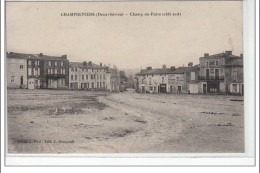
{"x": 54, "y": 121}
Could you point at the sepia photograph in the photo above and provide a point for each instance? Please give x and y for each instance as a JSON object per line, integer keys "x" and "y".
{"x": 124, "y": 77}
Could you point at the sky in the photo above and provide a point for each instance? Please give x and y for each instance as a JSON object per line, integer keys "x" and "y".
{"x": 129, "y": 42}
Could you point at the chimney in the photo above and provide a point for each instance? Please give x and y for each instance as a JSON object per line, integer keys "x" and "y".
{"x": 100, "y": 64}
{"x": 164, "y": 66}
{"x": 148, "y": 68}
{"x": 90, "y": 63}
{"x": 228, "y": 52}
{"x": 64, "y": 56}
{"x": 241, "y": 55}
{"x": 172, "y": 68}
{"x": 190, "y": 64}
{"x": 40, "y": 54}
{"x": 85, "y": 63}
{"x": 206, "y": 54}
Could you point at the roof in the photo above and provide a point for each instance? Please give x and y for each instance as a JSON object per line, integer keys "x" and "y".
{"x": 22, "y": 56}
{"x": 47, "y": 57}
{"x": 221, "y": 55}
{"x": 34, "y": 56}
{"x": 80, "y": 65}
{"x": 179, "y": 70}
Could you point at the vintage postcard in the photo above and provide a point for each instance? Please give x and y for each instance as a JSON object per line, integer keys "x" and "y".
{"x": 157, "y": 77}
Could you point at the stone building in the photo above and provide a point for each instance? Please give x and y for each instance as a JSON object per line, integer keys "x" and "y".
{"x": 234, "y": 75}
{"x": 114, "y": 79}
{"x": 191, "y": 75}
{"x": 16, "y": 66}
{"x": 87, "y": 75}
{"x": 37, "y": 71}
{"x": 56, "y": 72}
{"x": 221, "y": 73}
{"x": 160, "y": 80}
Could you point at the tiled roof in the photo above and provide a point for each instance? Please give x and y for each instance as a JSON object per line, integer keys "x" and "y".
{"x": 33, "y": 56}
{"x": 221, "y": 55}
{"x": 80, "y": 65}
{"x": 179, "y": 70}
{"x": 23, "y": 56}
{"x": 54, "y": 57}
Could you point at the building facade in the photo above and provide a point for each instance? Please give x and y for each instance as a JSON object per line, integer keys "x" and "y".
{"x": 16, "y": 71}
{"x": 160, "y": 80}
{"x": 37, "y": 71}
{"x": 113, "y": 81}
{"x": 87, "y": 76}
{"x": 221, "y": 73}
{"x": 55, "y": 72}
{"x": 234, "y": 75}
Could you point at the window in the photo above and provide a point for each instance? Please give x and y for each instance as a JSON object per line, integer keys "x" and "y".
{"x": 192, "y": 76}
{"x": 92, "y": 70}
{"x": 55, "y": 63}
{"x": 162, "y": 79}
{"x": 100, "y": 76}
{"x": 234, "y": 88}
{"x": 86, "y": 77}
{"x": 97, "y": 84}
{"x": 206, "y": 63}
{"x": 21, "y": 66}
{"x": 82, "y": 77}
{"x": 92, "y": 85}
{"x": 64, "y": 72}
{"x": 38, "y": 63}
{"x": 21, "y": 82}
{"x": 216, "y": 63}
{"x": 29, "y": 71}
{"x": 29, "y": 62}
{"x": 104, "y": 76}
{"x": 72, "y": 69}
{"x": 71, "y": 77}
{"x": 49, "y": 71}
{"x": 49, "y": 62}
{"x": 62, "y": 81}
{"x": 12, "y": 78}
{"x": 177, "y": 78}
{"x": 55, "y": 71}
{"x": 76, "y": 69}
{"x": 61, "y": 63}
{"x": 234, "y": 75}
{"x": 150, "y": 88}
{"x": 36, "y": 71}
{"x": 150, "y": 81}
{"x": 104, "y": 84}
{"x": 76, "y": 77}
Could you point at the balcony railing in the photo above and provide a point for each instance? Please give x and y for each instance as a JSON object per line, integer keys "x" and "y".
{"x": 213, "y": 78}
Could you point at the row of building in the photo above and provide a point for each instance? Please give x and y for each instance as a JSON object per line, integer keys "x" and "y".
{"x": 219, "y": 73}
{"x": 41, "y": 71}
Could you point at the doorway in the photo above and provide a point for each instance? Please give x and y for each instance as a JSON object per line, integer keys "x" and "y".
{"x": 207, "y": 74}
{"x": 21, "y": 81}
{"x": 162, "y": 88}
{"x": 204, "y": 88}
{"x": 217, "y": 74}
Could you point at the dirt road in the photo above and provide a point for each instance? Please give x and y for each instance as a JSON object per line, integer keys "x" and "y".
{"x": 47, "y": 121}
